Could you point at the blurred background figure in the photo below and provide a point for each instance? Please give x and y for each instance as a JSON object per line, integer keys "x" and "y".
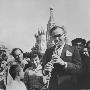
{"x": 26, "y": 56}
{"x": 17, "y": 53}
{"x": 88, "y": 47}
{"x": 16, "y": 73}
{"x": 85, "y": 51}
{"x": 33, "y": 77}
{"x": 80, "y": 43}
{"x": 3, "y": 69}
{"x": 84, "y": 76}
{"x": 19, "y": 59}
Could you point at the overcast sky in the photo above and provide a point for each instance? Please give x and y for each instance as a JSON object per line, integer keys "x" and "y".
{"x": 20, "y": 19}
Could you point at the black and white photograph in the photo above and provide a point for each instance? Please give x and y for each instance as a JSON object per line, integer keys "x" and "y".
{"x": 44, "y": 44}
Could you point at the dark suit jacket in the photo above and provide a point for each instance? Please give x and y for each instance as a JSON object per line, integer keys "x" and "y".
{"x": 64, "y": 78}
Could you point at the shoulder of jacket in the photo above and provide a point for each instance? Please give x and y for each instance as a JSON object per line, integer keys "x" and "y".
{"x": 70, "y": 48}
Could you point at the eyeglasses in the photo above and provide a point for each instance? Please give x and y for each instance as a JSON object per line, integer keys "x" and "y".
{"x": 58, "y": 35}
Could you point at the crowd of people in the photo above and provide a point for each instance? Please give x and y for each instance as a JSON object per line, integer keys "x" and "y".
{"x": 62, "y": 67}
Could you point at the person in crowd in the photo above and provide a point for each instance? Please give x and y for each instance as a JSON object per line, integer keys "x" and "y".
{"x": 62, "y": 61}
{"x": 79, "y": 43}
{"x": 33, "y": 77}
{"x": 16, "y": 72}
{"x": 87, "y": 50}
{"x": 27, "y": 57}
{"x": 17, "y": 53}
{"x": 3, "y": 69}
{"x": 88, "y": 47}
{"x": 83, "y": 78}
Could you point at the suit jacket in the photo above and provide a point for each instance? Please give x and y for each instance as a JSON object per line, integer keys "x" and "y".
{"x": 64, "y": 78}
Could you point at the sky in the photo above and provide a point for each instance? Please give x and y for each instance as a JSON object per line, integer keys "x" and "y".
{"x": 20, "y": 20}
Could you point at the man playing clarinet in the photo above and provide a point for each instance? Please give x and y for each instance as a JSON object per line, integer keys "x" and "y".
{"x": 66, "y": 62}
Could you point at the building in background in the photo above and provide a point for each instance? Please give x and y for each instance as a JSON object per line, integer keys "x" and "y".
{"x": 40, "y": 44}
{"x": 50, "y": 24}
{"x": 43, "y": 39}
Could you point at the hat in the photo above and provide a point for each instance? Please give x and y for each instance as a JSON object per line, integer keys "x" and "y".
{"x": 77, "y": 40}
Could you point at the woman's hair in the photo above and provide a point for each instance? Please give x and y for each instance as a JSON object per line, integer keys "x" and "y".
{"x": 14, "y": 71}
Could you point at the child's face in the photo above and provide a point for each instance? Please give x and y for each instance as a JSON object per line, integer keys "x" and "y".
{"x": 35, "y": 61}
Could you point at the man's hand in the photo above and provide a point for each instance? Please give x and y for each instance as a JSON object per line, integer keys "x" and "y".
{"x": 45, "y": 79}
{"x": 48, "y": 67}
{"x": 57, "y": 59}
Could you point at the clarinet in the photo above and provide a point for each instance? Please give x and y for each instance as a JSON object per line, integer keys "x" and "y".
{"x": 52, "y": 62}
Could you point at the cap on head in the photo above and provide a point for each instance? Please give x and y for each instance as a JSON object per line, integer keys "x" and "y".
{"x": 78, "y": 40}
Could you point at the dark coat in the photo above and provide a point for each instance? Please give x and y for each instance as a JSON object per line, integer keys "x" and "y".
{"x": 64, "y": 78}
{"x": 84, "y": 76}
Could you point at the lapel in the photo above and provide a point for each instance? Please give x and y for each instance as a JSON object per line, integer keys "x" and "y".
{"x": 63, "y": 54}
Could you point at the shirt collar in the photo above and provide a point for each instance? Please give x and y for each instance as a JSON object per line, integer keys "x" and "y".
{"x": 61, "y": 47}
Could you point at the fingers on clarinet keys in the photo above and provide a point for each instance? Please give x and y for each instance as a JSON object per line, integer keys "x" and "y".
{"x": 48, "y": 68}
{"x": 45, "y": 78}
{"x": 55, "y": 56}
{"x": 57, "y": 59}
